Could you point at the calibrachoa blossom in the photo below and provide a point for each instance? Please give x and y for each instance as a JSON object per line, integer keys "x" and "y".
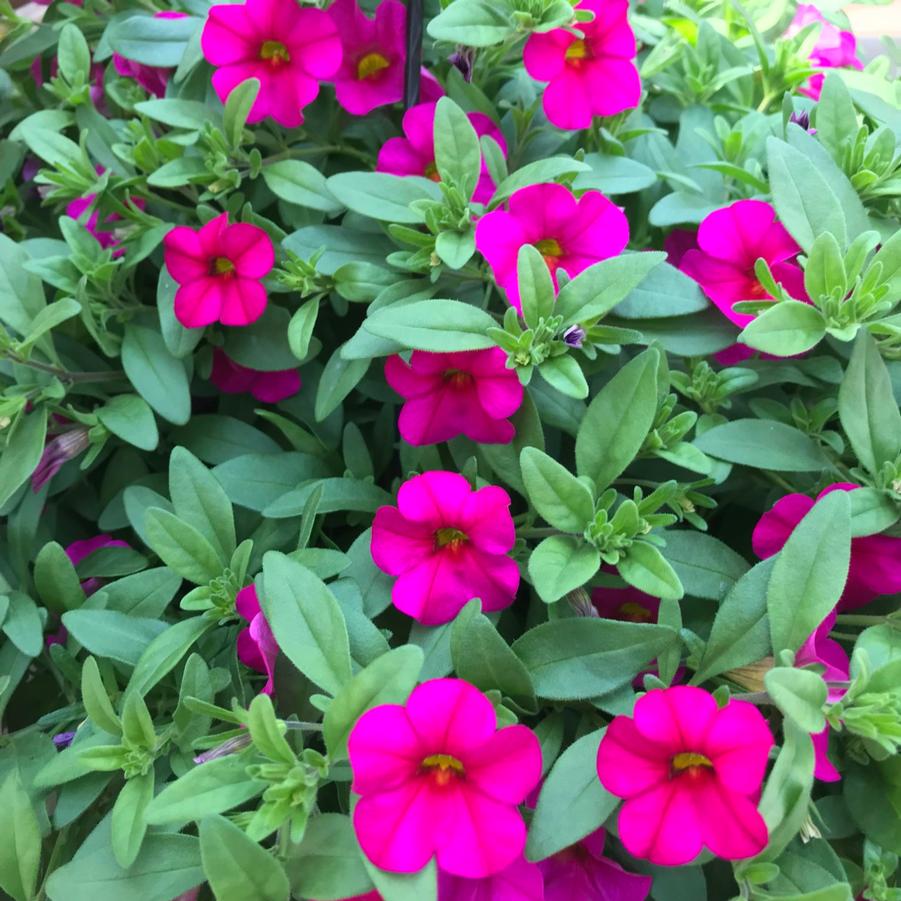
{"x": 593, "y": 75}
{"x": 467, "y": 393}
{"x": 828, "y": 653}
{"x": 289, "y": 48}
{"x": 446, "y": 544}
{"x": 257, "y": 647}
{"x": 570, "y": 233}
{"x": 267, "y": 387}
{"x": 152, "y": 79}
{"x": 414, "y": 154}
{"x": 219, "y": 268}
{"x": 106, "y": 237}
{"x": 582, "y": 871}
{"x": 730, "y": 241}
{"x": 875, "y": 559}
{"x": 521, "y": 881}
{"x": 627, "y": 604}
{"x": 690, "y": 772}
{"x": 437, "y": 778}
{"x": 834, "y": 48}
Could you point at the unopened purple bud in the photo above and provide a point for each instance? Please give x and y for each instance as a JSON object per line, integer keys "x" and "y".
{"x": 463, "y": 59}
{"x": 226, "y": 748}
{"x": 63, "y": 740}
{"x": 574, "y": 336}
{"x": 802, "y": 119}
{"x": 60, "y": 450}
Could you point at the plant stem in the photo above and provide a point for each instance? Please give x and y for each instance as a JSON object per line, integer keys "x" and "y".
{"x": 66, "y": 376}
{"x": 850, "y": 619}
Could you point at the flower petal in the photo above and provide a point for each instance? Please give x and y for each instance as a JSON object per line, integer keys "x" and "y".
{"x": 662, "y": 825}
{"x": 507, "y": 766}
{"x": 450, "y": 716}
{"x": 384, "y": 750}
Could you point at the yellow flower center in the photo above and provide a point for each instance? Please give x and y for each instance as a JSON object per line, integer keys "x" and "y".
{"x": 690, "y": 764}
{"x": 634, "y": 613}
{"x": 371, "y": 64}
{"x": 458, "y": 378}
{"x": 431, "y": 171}
{"x": 443, "y": 768}
{"x": 551, "y": 250}
{"x": 576, "y": 52}
{"x": 450, "y": 538}
{"x": 223, "y": 266}
{"x": 275, "y": 53}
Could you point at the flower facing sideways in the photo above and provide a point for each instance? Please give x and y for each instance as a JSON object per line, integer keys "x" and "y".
{"x": 834, "y": 48}
{"x": 152, "y": 79}
{"x": 437, "y": 778}
{"x": 267, "y": 387}
{"x": 571, "y": 234}
{"x": 467, "y": 393}
{"x": 690, "y": 773}
{"x": 218, "y": 269}
{"x": 257, "y": 647}
{"x": 414, "y": 154}
{"x": 446, "y": 544}
{"x": 593, "y": 75}
{"x": 287, "y": 47}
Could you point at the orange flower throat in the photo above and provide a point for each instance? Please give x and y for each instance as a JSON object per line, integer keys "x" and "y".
{"x": 689, "y": 763}
{"x": 450, "y": 538}
{"x": 443, "y": 768}
{"x": 222, "y": 266}
{"x": 275, "y": 53}
{"x": 551, "y": 250}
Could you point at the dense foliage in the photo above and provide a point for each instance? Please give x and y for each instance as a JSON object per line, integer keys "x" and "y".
{"x": 476, "y": 482}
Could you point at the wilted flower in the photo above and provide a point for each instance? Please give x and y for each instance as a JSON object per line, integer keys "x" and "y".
{"x": 467, "y": 393}
{"x": 437, "y": 778}
{"x": 218, "y": 269}
{"x": 152, "y": 79}
{"x": 257, "y": 647}
{"x": 58, "y": 451}
{"x": 267, "y": 387}
{"x": 446, "y": 544}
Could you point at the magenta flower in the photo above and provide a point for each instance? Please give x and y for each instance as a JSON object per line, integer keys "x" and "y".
{"x": 57, "y": 452}
{"x": 437, "y": 778}
{"x": 414, "y": 154}
{"x": 571, "y": 234}
{"x": 594, "y": 75}
{"x": 219, "y": 268}
{"x": 834, "y": 49}
{"x": 521, "y": 881}
{"x": 582, "y": 871}
{"x": 257, "y": 647}
{"x": 106, "y": 237}
{"x": 467, "y": 393}
{"x": 152, "y": 79}
{"x": 678, "y": 242}
{"x": 730, "y": 241}
{"x": 289, "y": 48}
{"x": 875, "y": 559}
{"x": 627, "y": 604}
{"x": 447, "y": 544}
{"x": 828, "y": 653}
{"x": 690, "y": 772}
{"x": 267, "y": 387}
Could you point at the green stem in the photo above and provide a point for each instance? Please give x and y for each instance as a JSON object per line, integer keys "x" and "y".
{"x": 539, "y": 533}
{"x": 66, "y": 376}
{"x": 852, "y": 619}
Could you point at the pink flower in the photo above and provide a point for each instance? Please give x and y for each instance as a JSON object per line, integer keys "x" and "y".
{"x": 730, "y": 241}
{"x": 437, "y": 778}
{"x": 447, "y": 544}
{"x": 267, "y": 387}
{"x": 834, "y": 49}
{"x": 467, "y": 393}
{"x": 289, "y": 48}
{"x": 627, "y": 604}
{"x": 219, "y": 268}
{"x": 152, "y": 79}
{"x": 678, "y": 242}
{"x": 521, "y": 881}
{"x": 257, "y": 647}
{"x": 582, "y": 871}
{"x": 414, "y": 154}
{"x": 875, "y": 559}
{"x": 571, "y": 234}
{"x": 828, "y": 653}
{"x": 690, "y": 772}
{"x": 594, "y": 75}
{"x": 106, "y": 237}
{"x": 57, "y": 452}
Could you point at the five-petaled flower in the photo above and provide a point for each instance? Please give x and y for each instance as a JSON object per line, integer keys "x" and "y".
{"x": 690, "y": 773}
{"x": 287, "y": 47}
{"x": 592, "y": 75}
{"x": 467, "y": 393}
{"x": 446, "y": 544}
{"x": 571, "y": 234}
{"x": 218, "y": 269}
{"x": 437, "y": 778}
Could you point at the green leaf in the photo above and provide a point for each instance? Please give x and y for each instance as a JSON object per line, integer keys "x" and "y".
{"x": 23, "y": 451}
{"x": 565, "y": 374}
{"x": 237, "y": 107}
{"x": 180, "y": 341}
{"x": 190, "y": 114}
{"x": 889, "y": 255}
{"x": 618, "y": 420}
{"x": 382, "y": 196}
{"x": 663, "y": 292}
{"x": 55, "y": 579}
{"x": 297, "y": 182}
{"x": 21, "y": 292}
{"x": 799, "y": 694}
{"x": 128, "y": 824}
{"x": 810, "y": 572}
{"x": 614, "y": 175}
{"x": 339, "y": 378}
{"x": 96, "y": 700}
{"x": 458, "y": 156}
{"x": 108, "y": 633}
{"x": 455, "y": 248}
{"x": 20, "y": 850}
{"x": 300, "y": 329}
{"x": 535, "y": 173}
{"x": 763, "y": 444}
{"x": 130, "y": 417}
{"x": 182, "y": 547}
{"x": 420, "y": 886}
{"x": 165, "y": 651}
{"x": 572, "y": 803}
{"x": 237, "y": 868}
{"x": 579, "y": 658}
{"x": 482, "y": 657}
{"x": 536, "y": 288}
{"x": 337, "y": 494}
{"x": 157, "y": 376}
{"x": 389, "y": 679}
{"x": 646, "y": 569}
{"x": 836, "y": 118}
{"x": 873, "y": 796}
{"x": 435, "y": 325}
{"x": 307, "y": 622}
{"x": 599, "y": 288}
{"x": 49, "y": 318}
{"x": 151, "y": 41}
{"x": 22, "y": 624}
{"x": 872, "y": 512}
{"x": 475, "y": 23}
{"x": 73, "y": 55}
{"x": 560, "y": 564}
{"x": 786, "y": 329}
{"x": 208, "y": 788}
{"x": 257, "y": 480}
{"x": 867, "y": 408}
{"x": 559, "y": 497}
{"x": 705, "y": 566}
